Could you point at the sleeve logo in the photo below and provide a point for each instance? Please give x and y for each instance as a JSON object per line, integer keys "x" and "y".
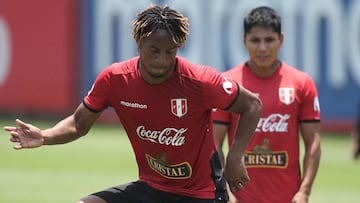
{"x": 227, "y": 86}
{"x": 316, "y": 104}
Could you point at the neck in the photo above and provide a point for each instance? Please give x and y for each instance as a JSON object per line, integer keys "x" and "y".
{"x": 264, "y": 71}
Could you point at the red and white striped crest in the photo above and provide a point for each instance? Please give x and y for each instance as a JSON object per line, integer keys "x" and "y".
{"x": 287, "y": 95}
{"x": 179, "y": 107}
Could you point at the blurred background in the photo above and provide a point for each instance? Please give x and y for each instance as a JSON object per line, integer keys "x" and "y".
{"x": 52, "y": 50}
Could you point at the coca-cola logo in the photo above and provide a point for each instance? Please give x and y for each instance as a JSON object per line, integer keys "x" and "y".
{"x": 274, "y": 123}
{"x": 167, "y": 136}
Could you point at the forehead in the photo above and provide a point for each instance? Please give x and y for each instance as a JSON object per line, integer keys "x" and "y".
{"x": 159, "y": 38}
{"x": 261, "y": 31}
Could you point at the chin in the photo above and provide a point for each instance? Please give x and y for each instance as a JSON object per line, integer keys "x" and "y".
{"x": 157, "y": 74}
{"x": 263, "y": 64}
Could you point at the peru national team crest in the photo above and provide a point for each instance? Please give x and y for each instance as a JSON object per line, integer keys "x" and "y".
{"x": 287, "y": 95}
{"x": 179, "y": 107}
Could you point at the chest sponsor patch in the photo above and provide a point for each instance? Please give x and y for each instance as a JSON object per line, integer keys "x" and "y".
{"x": 177, "y": 171}
{"x": 266, "y": 160}
{"x": 263, "y": 157}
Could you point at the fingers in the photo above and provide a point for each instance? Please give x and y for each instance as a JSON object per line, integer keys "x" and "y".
{"x": 9, "y": 128}
{"x": 238, "y": 185}
{"x": 22, "y": 124}
{"x": 234, "y": 188}
{"x": 14, "y": 137}
{"x": 14, "y": 133}
{"x": 18, "y": 146}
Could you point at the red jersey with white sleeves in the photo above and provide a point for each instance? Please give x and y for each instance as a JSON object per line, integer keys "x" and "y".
{"x": 289, "y": 96}
{"x": 169, "y": 125}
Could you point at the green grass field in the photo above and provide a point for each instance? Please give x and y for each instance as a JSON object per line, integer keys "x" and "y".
{"x": 65, "y": 173}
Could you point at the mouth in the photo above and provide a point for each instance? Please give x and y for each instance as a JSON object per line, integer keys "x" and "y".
{"x": 158, "y": 71}
{"x": 263, "y": 58}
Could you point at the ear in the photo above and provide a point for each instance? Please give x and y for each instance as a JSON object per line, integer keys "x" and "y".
{"x": 138, "y": 43}
{"x": 282, "y": 37}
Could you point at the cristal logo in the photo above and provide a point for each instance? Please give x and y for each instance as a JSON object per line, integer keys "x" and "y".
{"x": 273, "y": 123}
{"x": 167, "y": 136}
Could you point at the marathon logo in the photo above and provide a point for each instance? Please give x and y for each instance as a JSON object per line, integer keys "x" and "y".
{"x": 178, "y": 171}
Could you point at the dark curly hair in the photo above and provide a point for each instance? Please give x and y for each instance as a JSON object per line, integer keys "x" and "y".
{"x": 155, "y": 17}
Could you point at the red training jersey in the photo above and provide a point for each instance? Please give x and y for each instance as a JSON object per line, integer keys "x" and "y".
{"x": 169, "y": 125}
{"x": 289, "y": 96}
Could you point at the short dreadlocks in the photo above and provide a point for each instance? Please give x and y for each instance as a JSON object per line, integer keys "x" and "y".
{"x": 155, "y": 17}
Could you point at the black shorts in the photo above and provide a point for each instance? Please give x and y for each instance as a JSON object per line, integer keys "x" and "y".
{"x": 140, "y": 192}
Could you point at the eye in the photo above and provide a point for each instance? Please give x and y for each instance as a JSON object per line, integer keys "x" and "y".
{"x": 153, "y": 50}
{"x": 171, "y": 52}
{"x": 255, "y": 40}
{"x": 270, "y": 39}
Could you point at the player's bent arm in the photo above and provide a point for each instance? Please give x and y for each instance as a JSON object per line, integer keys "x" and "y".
{"x": 70, "y": 128}
{"x": 311, "y": 136}
{"x": 249, "y": 107}
{"x": 220, "y": 131}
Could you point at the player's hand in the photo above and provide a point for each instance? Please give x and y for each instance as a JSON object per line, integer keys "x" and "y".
{"x": 25, "y": 135}
{"x": 232, "y": 198}
{"x": 300, "y": 197}
{"x": 235, "y": 172}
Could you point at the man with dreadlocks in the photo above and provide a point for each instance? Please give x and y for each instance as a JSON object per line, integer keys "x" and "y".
{"x": 164, "y": 103}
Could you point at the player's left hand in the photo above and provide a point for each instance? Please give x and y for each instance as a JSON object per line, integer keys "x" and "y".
{"x": 25, "y": 135}
{"x": 300, "y": 197}
{"x": 235, "y": 172}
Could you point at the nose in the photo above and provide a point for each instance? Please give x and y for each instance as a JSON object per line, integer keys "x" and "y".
{"x": 162, "y": 59}
{"x": 262, "y": 46}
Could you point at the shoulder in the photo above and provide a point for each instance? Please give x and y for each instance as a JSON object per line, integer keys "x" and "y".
{"x": 295, "y": 73}
{"x": 236, "y": 70}
{"x": 302, "y": 80}
{"x": 123, "y": 67}
{"x": 117, "y": 70}
{"x": 195, "y": 71}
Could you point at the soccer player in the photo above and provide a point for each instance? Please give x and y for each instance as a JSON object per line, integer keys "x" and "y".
{"x": 290, "y": 104}
{"x": 164, "y": 102}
